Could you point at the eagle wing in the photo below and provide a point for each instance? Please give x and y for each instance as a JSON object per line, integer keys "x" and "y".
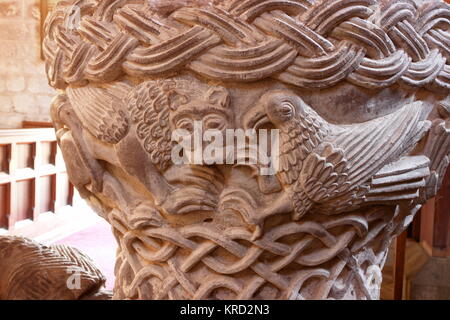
{"x": 342, "y": 167}
{"x": 101, "y": 110}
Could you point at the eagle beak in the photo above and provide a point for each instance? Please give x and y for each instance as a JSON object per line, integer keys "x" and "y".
{"x": 255, "y": 118}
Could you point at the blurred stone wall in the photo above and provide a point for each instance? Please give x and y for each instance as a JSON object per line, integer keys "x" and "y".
{"x": 24, "y": 92}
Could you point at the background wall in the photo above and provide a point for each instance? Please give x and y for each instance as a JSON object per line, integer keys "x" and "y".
{"x": 24, "y": 91}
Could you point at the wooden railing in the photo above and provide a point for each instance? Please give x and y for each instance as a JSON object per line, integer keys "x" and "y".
{"x": 33, "y": 177}
{"x": 435, "y": 222}
{"x": 430, "y": 228}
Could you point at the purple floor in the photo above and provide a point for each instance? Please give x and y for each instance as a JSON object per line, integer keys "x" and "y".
{"x": 99, "y": 244}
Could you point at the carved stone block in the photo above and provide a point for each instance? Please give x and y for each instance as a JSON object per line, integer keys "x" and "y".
{"x": 32, "y": 271}
{"x": 357, "y": 92}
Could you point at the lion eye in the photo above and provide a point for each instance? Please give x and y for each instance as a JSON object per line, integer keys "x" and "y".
{"x": 185, "y": 124}
{"x": 214, "y": 123}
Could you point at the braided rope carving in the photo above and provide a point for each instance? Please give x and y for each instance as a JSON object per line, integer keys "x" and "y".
{"x": 180, "y": 263}
{"x": 305, "y": 43}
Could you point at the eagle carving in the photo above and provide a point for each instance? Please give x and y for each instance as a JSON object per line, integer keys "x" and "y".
{"x": 335, "y": 168}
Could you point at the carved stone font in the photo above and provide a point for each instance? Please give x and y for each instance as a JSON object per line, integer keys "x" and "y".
{"x": 32, "y": 271}
{"x": 357, "y": 92}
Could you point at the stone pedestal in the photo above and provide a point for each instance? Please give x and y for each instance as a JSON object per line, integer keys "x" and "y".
{"x": 355, "y": 92}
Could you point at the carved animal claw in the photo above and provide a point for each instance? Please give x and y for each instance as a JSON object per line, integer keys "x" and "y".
{"x": 238, "y": 201}
{"x": 145, "y": 216}
{"x": 188, "y": 200}
{"x": 282, "y": 205}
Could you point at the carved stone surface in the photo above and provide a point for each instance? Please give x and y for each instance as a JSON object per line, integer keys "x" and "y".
{"x": 357, "y": 89}
{"x": 31, "y": 271}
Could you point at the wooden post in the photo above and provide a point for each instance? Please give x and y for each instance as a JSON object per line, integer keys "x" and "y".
{"x": 435, "y": 225}
{"x": 37, "y": 181}
{"x": 12, "y": 186}
{"x": 399, "y": 269}
{"x": 441, "y": 234}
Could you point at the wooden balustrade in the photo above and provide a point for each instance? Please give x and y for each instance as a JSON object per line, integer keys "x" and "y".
{"x": 430, "y": 228}
{"x": 435, "y": 222}
{"x": 33, "y": 177}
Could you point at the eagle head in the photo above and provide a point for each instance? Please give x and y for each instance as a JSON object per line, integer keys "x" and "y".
{"x": 277, "y": 107}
